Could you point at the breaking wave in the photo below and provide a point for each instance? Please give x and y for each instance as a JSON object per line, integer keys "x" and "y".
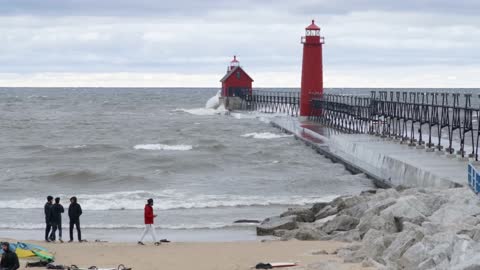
{"x": 41, "y": 226}
{"x": 266, "y": 135}
{"x": 167, "y": 199}
{"x": 204, "y": 111}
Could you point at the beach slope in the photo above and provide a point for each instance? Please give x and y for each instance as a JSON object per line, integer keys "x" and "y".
{"x": 201, "y": 256}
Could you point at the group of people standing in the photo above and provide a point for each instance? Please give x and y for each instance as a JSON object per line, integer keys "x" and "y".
{"x": 53, "y": 219}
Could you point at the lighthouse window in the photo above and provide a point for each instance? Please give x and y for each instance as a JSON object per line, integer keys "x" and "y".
{"x": 238, "y": 74}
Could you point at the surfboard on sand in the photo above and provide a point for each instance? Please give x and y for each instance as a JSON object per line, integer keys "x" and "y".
{"x": 282, "y": 264}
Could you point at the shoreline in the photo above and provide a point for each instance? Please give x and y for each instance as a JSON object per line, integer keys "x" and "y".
{"x": 239, "y": 234}
{"x": 201, "y": 256}
{"x": 206, "y": 249}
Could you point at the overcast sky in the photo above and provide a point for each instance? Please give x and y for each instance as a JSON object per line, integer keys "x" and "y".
{"x": 159, "y": 43}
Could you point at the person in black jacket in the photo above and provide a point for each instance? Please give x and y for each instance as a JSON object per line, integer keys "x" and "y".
{"x": 56, "y": 220}
{"x": 9, "y": 259}
{"x": 48, "y": 214}
{"x": 74, "y": 213}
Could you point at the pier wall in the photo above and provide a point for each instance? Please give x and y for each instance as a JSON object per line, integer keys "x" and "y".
{"x": 386, "y": 162}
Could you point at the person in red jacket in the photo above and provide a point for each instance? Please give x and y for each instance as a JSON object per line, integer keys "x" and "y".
{"x": 149, "y": 227}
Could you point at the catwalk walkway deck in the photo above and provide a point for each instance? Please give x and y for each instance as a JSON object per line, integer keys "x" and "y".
{"x": 387, "y": 162}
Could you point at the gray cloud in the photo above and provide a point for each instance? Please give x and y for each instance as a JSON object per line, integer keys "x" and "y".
{"x": 203, "y": 7}
{"x": 186, "y": 37}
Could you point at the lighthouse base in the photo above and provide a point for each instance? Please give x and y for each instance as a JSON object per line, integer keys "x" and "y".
{"x": 303, "y": 118}
{"x": 232, "y": 103}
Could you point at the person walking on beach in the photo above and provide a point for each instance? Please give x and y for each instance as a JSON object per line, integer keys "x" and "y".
{"x": 9, "y": 259}
{"x": 56, "y": 220}
{"x": 74, "y": 213}
{"x": 149, "y": 227}
{"x": 48, "y": 215}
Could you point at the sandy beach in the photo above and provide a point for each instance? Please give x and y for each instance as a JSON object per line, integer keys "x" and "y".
{"x": 198, "y": 256}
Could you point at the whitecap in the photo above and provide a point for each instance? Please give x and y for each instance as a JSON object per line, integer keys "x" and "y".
{"x": 204, "y": 111}
{"x": 266, "y": 135}
{"x": 117, "y": 226}
{"x": 80, "y": 146}
{"x": 179, "y": 147}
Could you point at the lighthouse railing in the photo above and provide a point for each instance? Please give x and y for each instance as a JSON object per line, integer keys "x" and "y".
{"x": 425, "y": 120}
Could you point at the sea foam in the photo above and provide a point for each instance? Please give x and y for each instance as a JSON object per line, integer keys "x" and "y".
{"x": 214, "y": 102}
{"x": 265, "y": 135}
{"x": 179, "y": 147}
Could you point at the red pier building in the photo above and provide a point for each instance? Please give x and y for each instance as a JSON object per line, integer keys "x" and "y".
{"x": 236, "y": 83}
{"x": 312, "y": 68}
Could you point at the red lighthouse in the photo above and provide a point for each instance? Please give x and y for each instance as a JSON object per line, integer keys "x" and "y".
{"x": 236, "y": 83}
{"x": 312, "y": 68}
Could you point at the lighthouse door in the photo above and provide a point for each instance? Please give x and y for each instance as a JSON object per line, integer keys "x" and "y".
{"x": 237, "y": 92}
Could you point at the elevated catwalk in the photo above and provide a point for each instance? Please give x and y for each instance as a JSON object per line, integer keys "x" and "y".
{"x": 387, "y": 162}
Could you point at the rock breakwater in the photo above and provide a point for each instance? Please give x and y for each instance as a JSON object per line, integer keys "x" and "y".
{"x": 392, "y": 228}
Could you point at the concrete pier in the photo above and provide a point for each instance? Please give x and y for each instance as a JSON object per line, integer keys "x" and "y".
{"x": 387, "y": 162}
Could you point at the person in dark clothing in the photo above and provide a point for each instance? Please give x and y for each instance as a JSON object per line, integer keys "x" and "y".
{"x": 9, "y": 259}
{"x": 56, "y": 220}
{"x": 48, "y": 214}
{"x": 74, "y": 213}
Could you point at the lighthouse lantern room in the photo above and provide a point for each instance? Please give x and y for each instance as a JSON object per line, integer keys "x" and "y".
{"x": 236, "y": 83}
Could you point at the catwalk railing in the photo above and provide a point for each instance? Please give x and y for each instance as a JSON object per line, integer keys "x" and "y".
{"x": 425, "y": 120}
{"x": 285, "y": 102}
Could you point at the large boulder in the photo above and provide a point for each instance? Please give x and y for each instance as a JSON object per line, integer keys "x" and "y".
{"x": 325, "y": 212}
{"x": 269, "y": 225}
{"x": 368, "y": 192}
{"x": 373, "y": 245}
{"x": 408, "y": 207}
{"x": 356, "y": 211}
{"x": 284, "y": 234}
{"x": 431, "y": 228}
{"x": 455, "y": 214}
{"x": 345, "y": 202}
{"x": 466, "y": 253}
{"x": 302, "y": 214}
{"x": 369, "y": 262}
{"x": 384, "y": 223}
{"x": 308, "y": 234}
{"x": 432, "y": 200}
{"x": 318, "y": 206}
{"x": 473, "y": 233}
{"x": 319, "y": 222}
{"x": 401, "y": 243}
{"x": 340, "y": 223}
{"x": 414, "y": 256}
{"x": 436, "y": 263}
{"x": 383, "y": 194}
{"x": 432, "y": 249}
{"x": 344, "y": 236}
{"x": 375, "y": 207}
